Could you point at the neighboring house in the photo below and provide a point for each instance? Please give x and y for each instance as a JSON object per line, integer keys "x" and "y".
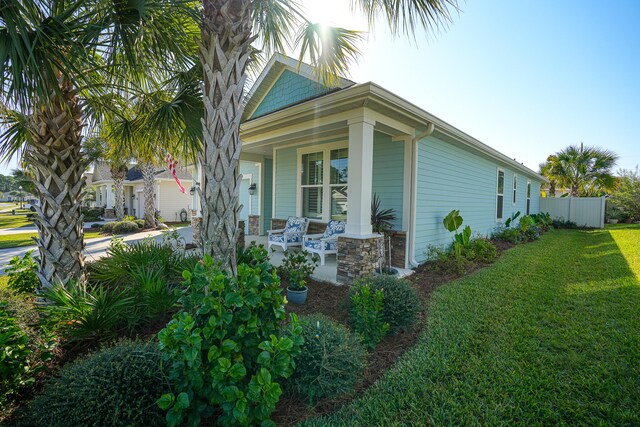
{"x": 323, "y": 152}
{"x": 169, "y": 200}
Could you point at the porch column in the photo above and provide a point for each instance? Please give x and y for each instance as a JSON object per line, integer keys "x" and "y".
{"x": 360, "y": 176}
{"x": 196, "y": 209}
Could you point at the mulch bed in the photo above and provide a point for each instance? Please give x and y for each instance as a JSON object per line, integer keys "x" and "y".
{"x": 332, "y": 301}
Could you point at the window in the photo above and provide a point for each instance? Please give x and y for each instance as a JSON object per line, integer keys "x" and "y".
{"x": 515, "y": 188}
{"x": 500, "y": 195}
{"x": 528, "y": 197}
{"x": 312, "y": 178}
{"x": 324, "y": 187}
{"x": 338, "y": 183}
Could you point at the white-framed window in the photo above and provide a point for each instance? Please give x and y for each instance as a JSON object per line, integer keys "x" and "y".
{"x": 323, "y": 182}
{"x": 500, "y": 195}
{"x": 515, "y": 188}
{"x": 528, "y": 197}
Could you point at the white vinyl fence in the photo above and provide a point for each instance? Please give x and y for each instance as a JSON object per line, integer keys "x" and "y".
{"x": 584, "y": 211}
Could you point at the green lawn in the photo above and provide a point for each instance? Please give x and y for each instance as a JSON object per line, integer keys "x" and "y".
{"x": 17, "y": 240}
{"x": 14, "y": 221}
{"x": 548, "y": 335}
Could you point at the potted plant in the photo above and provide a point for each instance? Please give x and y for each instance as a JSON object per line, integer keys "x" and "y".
{"x": 295, "y": 270}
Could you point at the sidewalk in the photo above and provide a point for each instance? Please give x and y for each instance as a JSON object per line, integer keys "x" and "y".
{"x": 94, "y": 248}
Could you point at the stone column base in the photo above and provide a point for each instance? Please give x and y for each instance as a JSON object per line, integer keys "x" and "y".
{"x": 357, "y": 257}
{"x": 196, "y": 226}
{"x": 241, "y": 236}
{"x": 254, "y": 225}
{"x": 109, "y": 213}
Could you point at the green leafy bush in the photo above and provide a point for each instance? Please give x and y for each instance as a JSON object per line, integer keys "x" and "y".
{"x": 400, "y": 303}
{"x": 139, "y": 223}
{"x": 296, "y": 268}
{"x": 22, "y": 273}
{"x": 222, "y": 350}
{"x": 107, "y": 228}
{"x": 124, "y": 227}
{"x": 116, "y": 386}
{"x": 480, "y": 250}
{"x": 96, "y": 226}
{"x": 511, "y": 235}
{"x": 93, "y": 215}
{"x": 330, "y": 362}
{"x": 366, "y": 314}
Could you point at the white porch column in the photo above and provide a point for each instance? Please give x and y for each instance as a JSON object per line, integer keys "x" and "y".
{"x": 110, "y": 196}
{"x": 360, "y": 176}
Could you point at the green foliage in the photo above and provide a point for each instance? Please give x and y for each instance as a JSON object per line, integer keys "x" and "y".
{"x": 512, "y": 218}
{"x": 366, "y": 314}
{"x": 88, "y": 314}
{"x": 93, "y": 215}
{"x": 255, "y": 256}
{"x": 296, "y": 268}
{"x": 330, "y": 362}
{"x": 400, "y": 302}
{"x": 381, "y": 219}
{"x": 542, "y": 220}
{"x": 452, "y": 221}
{"x": 524, "y": 224}
{"x": 480, "y": 250}
{"x": 116, "y": 386}
{"x": 22, "y": 273}
{"x": 222, "y": 350}
{"x": 511, "y": 235}
{"x": 19, "y": 360}
{"x": 124, "y": 227}
{"x": 139, "y": 223}
{"x": 626, "y": 196}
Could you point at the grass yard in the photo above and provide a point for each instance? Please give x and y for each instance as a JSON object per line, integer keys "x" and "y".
{"x": 548, "y": 335}
{"x": 14, "y": 221}
{"x": 26, "y": 239}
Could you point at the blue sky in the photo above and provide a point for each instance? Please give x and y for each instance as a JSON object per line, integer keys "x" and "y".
{"x": 526, "y": 77}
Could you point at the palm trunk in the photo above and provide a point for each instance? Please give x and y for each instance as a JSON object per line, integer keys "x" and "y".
{"x": 149, "y": 179}
{"x": 58, "y": 166}
{"x": 119, "y": 173}
{"x": 224, "y": 52}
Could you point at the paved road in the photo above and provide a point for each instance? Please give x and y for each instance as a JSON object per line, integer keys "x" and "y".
{"x": 33, "y": 229}
{"x": 94, "y": 248}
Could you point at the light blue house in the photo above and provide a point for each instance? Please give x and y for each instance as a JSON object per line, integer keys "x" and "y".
{"x": 321, "y": 152}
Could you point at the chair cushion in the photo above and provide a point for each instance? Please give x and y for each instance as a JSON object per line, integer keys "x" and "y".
{"x": 295, "y": 224}
{"x": 318, "y": 244}
{"x": 280, "y": 238}
{"x": 334, "y": 227}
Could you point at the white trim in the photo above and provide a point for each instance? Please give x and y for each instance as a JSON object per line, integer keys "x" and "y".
{"x": 250, "y": 178}
{"x": 325, "y": 149}
{"x": 406, "y": 184}
{"x": 495, "y": 208}
{"x": 415, "y": 148}
{"x": 273, "y": 186}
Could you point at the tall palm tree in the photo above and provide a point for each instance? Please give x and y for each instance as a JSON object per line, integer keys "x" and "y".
{"x": 551, "y": 170}
{"x": 583, "y": 170}
{"x": 56, "y": 56}
{"x": 229, "y": 33}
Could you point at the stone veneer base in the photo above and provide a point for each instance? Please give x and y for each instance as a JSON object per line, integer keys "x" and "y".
{"x": 357, "y": 257}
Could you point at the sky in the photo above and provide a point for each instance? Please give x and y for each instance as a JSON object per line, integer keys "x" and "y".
{"x": 527, "y": 77}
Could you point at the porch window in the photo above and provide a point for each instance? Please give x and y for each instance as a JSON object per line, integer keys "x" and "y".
{"x": 324, "y": 189}
{"x": 528, "y": 196}
{"x": 500, "y": 195}
{"x": 338, "y": 183}
{"x": 312, "y": 183}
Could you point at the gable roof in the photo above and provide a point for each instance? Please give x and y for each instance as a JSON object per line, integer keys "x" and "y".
{"x": 285, "y": 82}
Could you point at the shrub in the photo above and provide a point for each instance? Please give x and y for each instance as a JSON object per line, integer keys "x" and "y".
{"x": 400, "y": 304}
{"x": 93, "y": 215}
{"x": 116, "y": 386}
{"x": 108, "y": 227}
{"x": 221, "y": 349}
{"x": 22, "y": 273}
{"x": 124, "y": 227}
{"x": 296, "y": 268}
{"x": 87, "y": 314}
{"x": 480, "y": 250}
{"x": 139, "y": 223}
{"x": 511, "y": 235}
{"x": 366, "y": 314}
{"x": 330, "y": 362}
{"x": 96, "y": 226}
{"x": 562, "y": 223}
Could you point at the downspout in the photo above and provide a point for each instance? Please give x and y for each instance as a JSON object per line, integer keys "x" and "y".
{"x": 414, "y": 192}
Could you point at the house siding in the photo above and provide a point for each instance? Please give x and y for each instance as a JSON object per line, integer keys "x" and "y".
{"x": 285, "y": 170}
{"x": 388, "y": 174}
{"x": 267, "y": 208}
{"x": 289, "y": 89}
{"x": 253, "y": 169}
{"x": 451, "y": 178}
{"x": 172, "y": 201}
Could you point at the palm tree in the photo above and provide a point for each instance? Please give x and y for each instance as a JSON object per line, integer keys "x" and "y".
{"x": 551, "y": 169}
{"x": 230, "y": 31}
{"x": 583, "y": 170}
{"x": 56, "y": 58}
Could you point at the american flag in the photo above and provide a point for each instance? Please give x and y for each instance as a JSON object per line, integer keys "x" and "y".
{"x": 171, "y": 164}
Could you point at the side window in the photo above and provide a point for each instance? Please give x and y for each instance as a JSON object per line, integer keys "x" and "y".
{"x": 515, "y": 188}
{"x": 528, "y": 197}
{"x": 500, "y": 195}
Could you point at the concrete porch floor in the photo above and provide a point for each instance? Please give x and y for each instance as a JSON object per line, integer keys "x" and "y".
{"x": 323, "y": 273}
